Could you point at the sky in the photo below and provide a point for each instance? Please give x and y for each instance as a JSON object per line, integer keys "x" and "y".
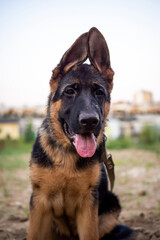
{"x": 35, "y": 34}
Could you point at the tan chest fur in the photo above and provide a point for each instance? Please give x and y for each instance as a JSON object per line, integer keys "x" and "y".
{"x": 64, "y": 188}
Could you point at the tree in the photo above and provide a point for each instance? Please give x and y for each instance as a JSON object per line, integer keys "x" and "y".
{"x": 29, "y": 134}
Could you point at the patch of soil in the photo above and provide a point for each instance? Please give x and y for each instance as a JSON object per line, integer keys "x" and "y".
{"x": 137, "y": 185}
{"x": 146, "y": 228}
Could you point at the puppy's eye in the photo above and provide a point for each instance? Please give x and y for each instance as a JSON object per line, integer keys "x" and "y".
{"x": 69, "y": 92}
{"x": 99, "y": 92}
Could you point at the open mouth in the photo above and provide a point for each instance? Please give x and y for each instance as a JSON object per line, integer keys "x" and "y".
{"x": 85, "y": 144}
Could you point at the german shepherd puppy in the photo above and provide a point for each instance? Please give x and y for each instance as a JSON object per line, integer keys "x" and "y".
{"x": 70, "y": 198}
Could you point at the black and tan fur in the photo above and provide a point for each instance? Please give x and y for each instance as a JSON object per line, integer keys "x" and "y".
{"x": 70, "y": 199}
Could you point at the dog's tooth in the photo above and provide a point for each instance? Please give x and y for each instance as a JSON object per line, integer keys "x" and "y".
{"x": 70, "y": 132}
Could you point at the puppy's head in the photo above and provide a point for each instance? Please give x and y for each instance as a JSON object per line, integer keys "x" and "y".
{"x": 80, "y": 94}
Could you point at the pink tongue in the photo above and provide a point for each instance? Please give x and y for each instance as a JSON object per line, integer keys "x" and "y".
{"x": 85, "y": 145}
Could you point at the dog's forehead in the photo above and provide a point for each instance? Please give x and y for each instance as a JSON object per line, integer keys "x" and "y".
{"x": 84, "y": 74}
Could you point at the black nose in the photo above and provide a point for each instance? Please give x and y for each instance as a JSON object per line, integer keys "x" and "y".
{"x": 88, "y": 120}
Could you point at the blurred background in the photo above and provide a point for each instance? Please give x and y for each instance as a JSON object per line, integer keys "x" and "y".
{"x": 34, "y": 36}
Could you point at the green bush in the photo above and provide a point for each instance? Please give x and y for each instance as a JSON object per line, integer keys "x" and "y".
{"x": 149, "y": 139}
{"x": 119, "y": 143}
{"x": 29, "y": 134}
{"x": 149, "y": 135}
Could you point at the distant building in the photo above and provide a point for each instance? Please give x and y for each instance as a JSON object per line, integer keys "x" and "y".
{"x": 9, "y": 128}
{"x": 2, "y": 107}
{"x": 10, "y": 113}
{"x": 143, "y": 98}
{"x": 38, "y": 111}
{"x": 142, "y": 104}
{"x": 121, "y": 106}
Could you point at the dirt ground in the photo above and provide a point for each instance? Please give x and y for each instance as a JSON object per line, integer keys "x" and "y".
{"x": 137, "y": 185}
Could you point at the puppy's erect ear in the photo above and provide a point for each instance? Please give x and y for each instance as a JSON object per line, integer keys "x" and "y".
{"x": 76, "y": 54}
{"x": 98, "y": 53}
